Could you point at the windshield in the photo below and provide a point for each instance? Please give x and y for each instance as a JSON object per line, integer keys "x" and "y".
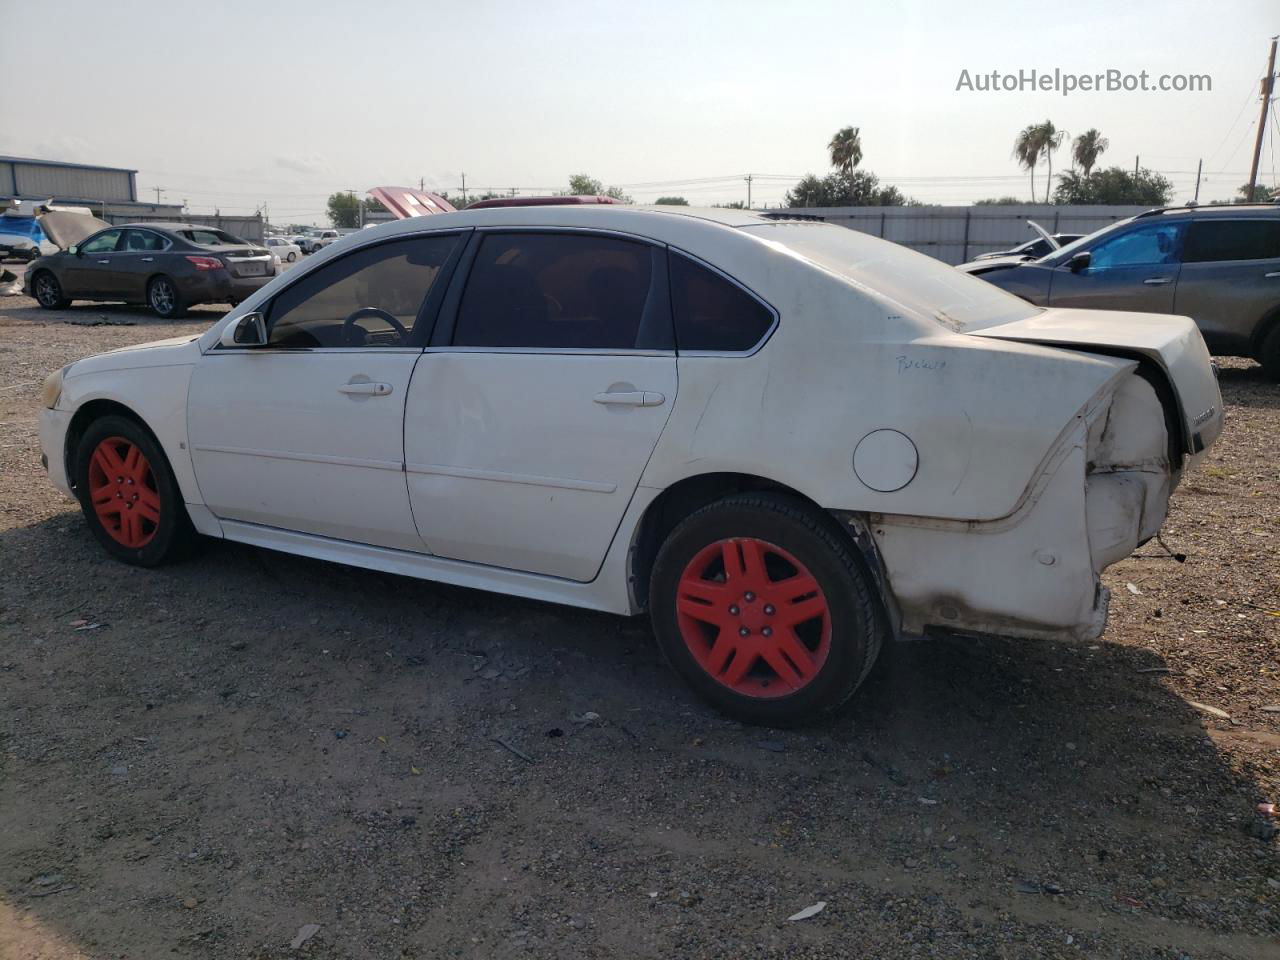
{"x": 1084, "y": 242}
{"x": 927, "y": 287}
{"x": 208, "y": 237}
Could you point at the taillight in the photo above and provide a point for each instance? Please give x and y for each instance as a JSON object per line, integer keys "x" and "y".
{"x": 207, "y": 263}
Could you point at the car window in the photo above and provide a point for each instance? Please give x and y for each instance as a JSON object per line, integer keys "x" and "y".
{"x": 713, "y": 313}
{"x": 105, "y": 242}
{"x": 1221, "y": 239}
{"x": 213, "y": 238}
{"x": 143, "y": 240}
{"x": 369, "y": 298}
{"x": 557, "y": 291}
{"x": 1155, "y": 243}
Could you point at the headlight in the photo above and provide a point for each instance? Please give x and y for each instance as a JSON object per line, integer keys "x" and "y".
{"x": 52, "y": 389}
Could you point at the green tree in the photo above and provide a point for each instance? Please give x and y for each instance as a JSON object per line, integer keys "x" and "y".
{"x": 672, "y": 201}
{"x": 373, "y": 206}
{"x": 732, "y": 205}
{"x": 997, "y": 202}
{"x": 1026, "y": 150}
{"x": 859, "y": 189}
{"x": 1087, "y": 148}
{"x": 846, "y": 149}
{"x": 344, "y": 210}
{"x": 1050, "y": 139}
{"x": 1263, "y": 194}
{"x": 581, "y": 185}
{"x": 1114, "y": 185}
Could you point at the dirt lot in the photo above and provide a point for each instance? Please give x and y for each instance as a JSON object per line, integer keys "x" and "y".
{"x": 198, "y": 761}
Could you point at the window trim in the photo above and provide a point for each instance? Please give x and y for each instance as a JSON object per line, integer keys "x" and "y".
{"x": 759, "y": 344}
{"x": 428, "y": 313}
{"x": 446, "y": 326}
{"x": 1192, "y": 224}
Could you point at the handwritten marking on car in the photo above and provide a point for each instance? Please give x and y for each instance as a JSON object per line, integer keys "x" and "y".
{"x": 908, "y": 363}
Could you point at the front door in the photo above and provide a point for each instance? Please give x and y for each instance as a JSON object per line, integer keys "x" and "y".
{"x": 527, "y": 432}
{"x": 1133, "y": 270}
{"x": 306, "y": 433}
{"x": 92, "y": 272}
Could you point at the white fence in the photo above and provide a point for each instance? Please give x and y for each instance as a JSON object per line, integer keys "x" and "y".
{"x": 957, "y": 234}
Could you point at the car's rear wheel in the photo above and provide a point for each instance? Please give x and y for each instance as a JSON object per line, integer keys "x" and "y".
{"x": 164, "y": 299}
{"x": 129, "y": 495}
{"x": 1269, "y": 355}
{"x": 293, "y": 255}
{"x": 48, "y": 291}
{"x": 760, "y": 604}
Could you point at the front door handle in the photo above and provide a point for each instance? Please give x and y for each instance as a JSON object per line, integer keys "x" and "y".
{"x": 365, "y": 389}
{"x": 1157, "y": 281}
{"x": 148, "y": 259}
{"x": 631, "y": 398}
{"x": 1273, "y": 273}
{"x": 104, "y": 261}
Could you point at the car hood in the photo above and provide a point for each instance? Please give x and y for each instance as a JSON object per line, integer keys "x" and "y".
{"x": 157, "y": 353}
{"x": 65, "y": 229}
{"x": 993, "y": 263}
{"x": 1172, "y": 343}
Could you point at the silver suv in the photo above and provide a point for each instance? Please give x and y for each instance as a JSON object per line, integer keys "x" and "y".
{"x": 1219, "y": 265}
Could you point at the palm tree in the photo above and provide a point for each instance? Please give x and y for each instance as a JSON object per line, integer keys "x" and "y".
{"x": 846, "y": 150}
{"x": 1050, "y": 140}
{"x": 1026, "y": 150}
{"x": 1087, "y": 147}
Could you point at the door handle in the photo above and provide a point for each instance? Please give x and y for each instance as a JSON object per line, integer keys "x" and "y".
{"x": 631, "y": 398}
{"x": 104, "y": 261}
{"x": 1273, "y": 273}
{"x": 365, "y": 389}
{"x": 1157, "y": 281}
{"x": 148, "y": 259}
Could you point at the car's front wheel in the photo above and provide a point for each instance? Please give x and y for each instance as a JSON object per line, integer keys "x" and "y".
{"x": 48, "y": 291}
{"x": 129, "y": 495}
{"x": 164, "y": 299}
{"x": 293, "y": 255}
{"x": 760, "y": 604}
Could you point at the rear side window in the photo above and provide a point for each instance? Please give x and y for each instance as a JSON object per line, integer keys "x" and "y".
{"x": 213, "y": 238}
{"x": 713, "y": 313}
{"x": 369, "y": 298}
{"x": 559, "y": 291}
{"x": 143, "y": 241}
{"x": 1210, "y": 240}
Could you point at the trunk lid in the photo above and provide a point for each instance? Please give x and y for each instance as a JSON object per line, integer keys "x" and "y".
{"x": 1174, "y": 344}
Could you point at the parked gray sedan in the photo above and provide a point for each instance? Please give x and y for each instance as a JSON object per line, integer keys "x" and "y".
{"x": 1219, "y": 265}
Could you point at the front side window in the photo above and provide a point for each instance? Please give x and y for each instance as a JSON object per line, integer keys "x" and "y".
{"x": 711, "y": 312}
{"x": 1221, "y": 239}
{"x": 369, "y": 298}
{"x": 1150, "y": 245}
{"x": 104, "y": 242}
{"x": 143, "y": 241}
{"x": 559, "y": 291}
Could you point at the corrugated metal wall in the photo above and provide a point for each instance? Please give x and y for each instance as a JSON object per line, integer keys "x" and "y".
{"x": 957, "y": 234}
{"x": 247, "y": 228}
{"x": 81, "y": 183}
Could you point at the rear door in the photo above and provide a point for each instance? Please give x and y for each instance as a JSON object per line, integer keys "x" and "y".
{"x": 1136, "y": 269}
{"x": 92, "y": 272}
{"x": 1230, "y": 278}
{"x": 528, "y": 425}
{"x": 137, "y": 261}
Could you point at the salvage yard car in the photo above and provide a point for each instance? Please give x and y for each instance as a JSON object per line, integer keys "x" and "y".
{"x": 786, "y": 441}
{"x": 169, "y": 266}
{"x": 1219, "y": 265}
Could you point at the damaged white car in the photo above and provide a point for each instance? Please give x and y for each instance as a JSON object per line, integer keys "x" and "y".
{"x": 786, "y": 441}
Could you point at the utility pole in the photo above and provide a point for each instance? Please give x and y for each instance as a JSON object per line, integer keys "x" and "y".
{"x": 1267, "y": 81}
{"x": 464, "y": 189}
{"x": 1135, "y": 167}
{"x": 359, "y": 210}
{"x": 1199, "y": 167}
{"x": 422, "y": 184}
{"x": 157, "y": 190}
{"x": 748, "y": 178}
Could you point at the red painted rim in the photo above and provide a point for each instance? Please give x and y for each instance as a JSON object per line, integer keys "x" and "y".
{"x": 122, "y": 489}
{"x": 754, "y": 617}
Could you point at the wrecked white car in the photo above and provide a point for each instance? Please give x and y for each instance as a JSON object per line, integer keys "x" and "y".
{"x": 785, "y": 441}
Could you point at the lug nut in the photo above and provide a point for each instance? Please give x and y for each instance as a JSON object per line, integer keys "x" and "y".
{"x": 749, "y": 597}
{"x": 767, "y": 631}
{"x": 733, "y": 609}
{"x": 743, "y": 632}
{"x": 768, "y": 609}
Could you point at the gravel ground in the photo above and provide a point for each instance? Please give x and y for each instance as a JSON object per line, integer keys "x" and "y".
{"x": 202, "y": 760}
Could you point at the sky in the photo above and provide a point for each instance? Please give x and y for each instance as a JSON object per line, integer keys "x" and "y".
{"x": 234, "y": 104}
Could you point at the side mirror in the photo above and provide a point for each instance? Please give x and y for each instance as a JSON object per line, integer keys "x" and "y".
{"x": 1079, "y": 261}
{"x": 73, "y": 250}
{"x": 249, "y": 331}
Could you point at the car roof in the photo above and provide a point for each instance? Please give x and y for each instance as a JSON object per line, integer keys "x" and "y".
{"x": 1213, "y": 210}
{"x": 657, "y": 222}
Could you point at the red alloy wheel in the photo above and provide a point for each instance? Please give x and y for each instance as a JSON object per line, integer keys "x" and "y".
{"x": 754, "y": 617}
{"x": 123, "y": 492}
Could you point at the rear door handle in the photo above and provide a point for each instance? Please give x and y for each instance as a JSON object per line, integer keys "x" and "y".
{"x": 148, "y": 259}
{"x": 1273, "y": 273}
{"x": 1157, "y": 281}
{"x": 631, "y": 398}
{"x": 104, "y": 261}
{"x": 365, "y": 389}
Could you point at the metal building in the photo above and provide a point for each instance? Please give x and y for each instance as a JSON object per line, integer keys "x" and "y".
{"x": 111, "y": 192}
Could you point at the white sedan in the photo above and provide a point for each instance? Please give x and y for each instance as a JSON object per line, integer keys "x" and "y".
{"x": 284, "y": 249}
{"x": 785, "y": 441}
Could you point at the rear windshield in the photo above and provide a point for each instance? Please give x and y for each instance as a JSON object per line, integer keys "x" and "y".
{"x": 213, "y": 238}
{"x": 919, "y": 283}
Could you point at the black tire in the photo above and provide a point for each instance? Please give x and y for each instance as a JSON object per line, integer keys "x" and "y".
{"x": 164, "y": 299}
{"x": 1269, "y": 354}
{"x": 293, "y": 255}
{"x": 172, "y": 537}
{"x": 48, "y": 291}
{"x": 787, "y": 525}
